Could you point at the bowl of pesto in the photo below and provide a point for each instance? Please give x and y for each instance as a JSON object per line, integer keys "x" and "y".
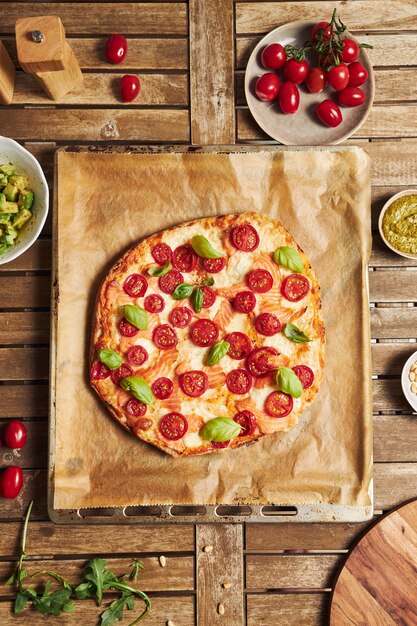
{"x": 398, "y": 223}
{"x": 24, "y": 200}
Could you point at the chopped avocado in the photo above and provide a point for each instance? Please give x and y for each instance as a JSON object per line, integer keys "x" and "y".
{"x": 8, "y": 169}
{"x": 3, "y": 180}
{"x": 21, "y": 218}
{"x": 21, "y": 182}
{"x": 26, "y": 198}
{"x": 2, "y": 200}
{"x": 5, "y": 218}
{"x": 11, "y": 192}
{"x": 10, "y": 207}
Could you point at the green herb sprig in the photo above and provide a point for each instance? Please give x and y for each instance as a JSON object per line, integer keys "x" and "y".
{"x": 186, "y": 290}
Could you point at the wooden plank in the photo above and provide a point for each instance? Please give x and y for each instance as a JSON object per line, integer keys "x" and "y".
{"x": 178, "y": 609}
{"x": 38, "y": 257}
{"x": 395, "y": 438}
{"x": 388, "y": 396}
{"x": 35, "y": 452}
{"x": 103, "y": 89}
{"x": 398, "y": 323}
{"x": 261, "y": 17}
{"x": 388, "y": 50}
{"x": 389, "y": 358}
{"x": 24, "y": 291}
{"x": 393, "y": 286}
{"x": 145, "y": 18}
{"x": 395, "y": 483}
{"x": 24, "y": 364}
{"x": 48, "y": 124}
{"x": 27, "y": 328}
{"x": 144, "y": 54}
{"x": 277, "y": 572}
{"x": 44, "y": 153}
{"x": 287, "y": 609}
{"x": 393, "y": 162}
{"x": 223, "y": 564}
{"x": 382, "y": 256}
{"x": 24, "y": 401}
{"x": 211, "y": 72}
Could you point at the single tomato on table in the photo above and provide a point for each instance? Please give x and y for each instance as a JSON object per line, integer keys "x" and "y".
{"x": 267, "y": 87}
{"x": 11, "y": 482}
{"x": 15, "y": 434}
{"x": 116, "y": 48}
{"x": 129, "y": 87}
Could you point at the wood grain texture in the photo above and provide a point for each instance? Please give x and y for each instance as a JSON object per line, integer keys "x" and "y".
{"x": 389, "y": 358}
{"x": 399, "y": 323}
{"x": 287, "y": 609}
{"x": 38, "y": 257}
{"x": 7, "y": 76}
{"x": 382, "y": 256}
{"x": 24, "y": 364}
{"x": 24, "y": 401}
{"x": 24, "y": 328}
{"x": 395, "y": 438}
{"x": 223, "y": 564}
{"x": 23, "y": 291}
{"x": 393, "y": 286}
{"x": 278, "y": 572}
{"x": 388, "y": 396}
{"x": 211, "y": 72}
{"x": 395, "y": 483}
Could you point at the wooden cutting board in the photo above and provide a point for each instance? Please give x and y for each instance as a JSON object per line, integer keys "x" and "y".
{"x": 378, "y": 583}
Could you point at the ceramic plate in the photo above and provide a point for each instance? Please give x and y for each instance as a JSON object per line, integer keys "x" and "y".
{"x": 406, "y": 382}
{"x": 302, "y": 127}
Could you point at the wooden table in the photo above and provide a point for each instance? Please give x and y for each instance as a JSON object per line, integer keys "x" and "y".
{"x": 191, "y": 59}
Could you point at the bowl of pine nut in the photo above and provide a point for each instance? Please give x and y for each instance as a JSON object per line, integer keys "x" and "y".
{"x": 409, "y": 380}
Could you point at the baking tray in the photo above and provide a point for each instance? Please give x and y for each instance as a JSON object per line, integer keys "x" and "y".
{"x": 321, "y": 512}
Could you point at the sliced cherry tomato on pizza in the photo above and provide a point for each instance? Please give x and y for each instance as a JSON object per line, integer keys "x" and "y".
{"x": 136, "y": 408}
{"x": 267, "y": 324}
{"x": 204, "y": 333}
{"x": 239, "y": 381}
{"x": 245, "y": 238}
{"x": 137, "y": 355}
{"x": 127, "y": 329}
{"x": 164, "y": 337}
{"x": 261, "y": 361}
{"x": 220, "y": 444}
{"x": 135, "y": 285}
{"x": 154, "y": 303}
{"x": 122, "y": 372}
{"x": 173, "y": 426}
{"x": 184, "y": 258}
{"x": 244, "y": 301}
{"x": 248, "y": 422}
{"x": 278, "y": 404}
{"x": 260, "y": 280}
{"x": 295, "y": 287}
{"x": 161, "y": 253}
{"x": 209, "y": 296}
{"x": 181, "y": 316}
{"x": 162, "y": 388}
{"x": 214, "y": 266}
{"x": 240, "y": 345}
{"x": 170, "y": 281}
{"x": 194, "y": 383}
{"x": 305, "y": 374}
{"x": 99, "y": 371}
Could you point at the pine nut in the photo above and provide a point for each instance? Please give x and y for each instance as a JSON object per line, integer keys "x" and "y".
{"x": 208, "y": 549}
{"x": 162, "y": 561}
{"x": 414, "y": 387}
{"x": 170, "y": 623}
{"x": 412, "y": 376}
{"x": 220, "y": 608}
{"x": 227, "y": 585}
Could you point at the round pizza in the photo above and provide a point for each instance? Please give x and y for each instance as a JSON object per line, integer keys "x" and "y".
{"x": 209, "y": 335}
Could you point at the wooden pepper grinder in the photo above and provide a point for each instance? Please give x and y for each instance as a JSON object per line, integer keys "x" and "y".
{"x": 43, "y": 51}
{"x": 7, "y": 76}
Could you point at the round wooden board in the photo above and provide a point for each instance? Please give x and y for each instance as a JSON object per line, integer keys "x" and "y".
{"x": 377, "y": 585}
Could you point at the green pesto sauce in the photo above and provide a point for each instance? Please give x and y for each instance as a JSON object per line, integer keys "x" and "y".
{"x": 399, "y": 224}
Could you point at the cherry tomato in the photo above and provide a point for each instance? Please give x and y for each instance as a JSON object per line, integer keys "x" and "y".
{"x": 170, "y": 281}
{"x": 329, "y": 113}
{"x": 181, "y": 316}
{"x": 273, "y": 56}
{"x": 129, "y": 87}
{"x": 15, "y": 434}
{"x": 351, "y": 97}
{"x": 267, "y": 324}
{"x": 239, "y": 381}
{"x": 338, "y": 76}
{"x": 295, "y": 71}
{"x": 278, "y": 404}
{"x": 135, "y": 285}
{"x": 164, "y": 337}
{"x": 289, "y": 97}
{"x": 214, "y": 265}
{"x": 162, "y": 388}
{"x": 99, "y": 371}
{"x": 184, "y": 258}
{"x": 350, "y": 50}
{"x": 322, "y": 36}
{"x": 295, "y": 286}
{"x": 154, "y": 303}
{"x": 173, "y": 426}
{"x": 137, "y": 355}
{"x": 245, "y": 238}
{"x": 11, "y": 482}
{"x": 248, "y": 421}
{"x": 357, "y": 74}
{"x": 240, "y": 345}
{"x": 244, "y": 302}
{"x": 136, "y": 408}
{"x": 305, "y": 374}
{"x": 127, "y": 329}
{"x": 194, "y": 383}
{"x": 260, "y": 280}
{"x": 162, "y": 253}
{"x": 316, "y": 80}
{"x": 262, "y": 361}
{"x": 122, "y": 372}
{"x": 267, "y": 87}
{"x": 116, "y": 48}
{"x": 204, "y": 333}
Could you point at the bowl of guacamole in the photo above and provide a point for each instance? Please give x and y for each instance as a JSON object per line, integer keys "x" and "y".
{"x": 398, "y": 223}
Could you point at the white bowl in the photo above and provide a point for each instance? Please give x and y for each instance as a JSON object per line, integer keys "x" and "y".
{"x": 401, "y": 194}
{"x": 12, "y": 152}
{"x": 406, "y": 382}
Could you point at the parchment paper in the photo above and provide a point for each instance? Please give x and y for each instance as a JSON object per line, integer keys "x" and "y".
{"x": 106, "y": 202}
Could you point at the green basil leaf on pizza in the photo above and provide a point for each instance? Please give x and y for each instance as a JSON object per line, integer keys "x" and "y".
{"x": 292, "y": 332}
{"x": 136, "y": 316}
{"x": 203, "y": 248}
{"x": 288, "y": 382}
{"x": 289, "y": 257}
{"x": 158, "y": 270}
{"x": 110, "y": 358}
{"x": 183, "y": 291}
{"x": 138, "y": 387}
{"x": 217, "y": 352}
{"x": 220, "y": 429}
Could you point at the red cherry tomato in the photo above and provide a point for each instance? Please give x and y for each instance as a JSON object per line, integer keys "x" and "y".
{"x": 316, "y": 80}
{"x": 351, "y": 97}
{"x": 295, "y": 71}
{"x": 248, "y": 421}
{"x": 170, "y": 281}
{"x": 194, "y": 383}
{"x": 127, "y": 329}
{"x": 324, "y": 34}
{"x": 129, "y": 87}
{"x": 295, "y": 287}
{"x": 239, "y": 381}
{"x": 260, "y": 280}
{"x": 184, "y": 258}
{"x": 240, "y": 345}
{"x": 262, "y": 361}
{"x": 181, "y": 316}
{"x": 245, "y": 238}
{"x": 11, "y": 482}
{"x": 116, "y": 48}
{"x": 267, "y": 324}
{"x": 244, "y": 301}
{"x": 305, "y": 374}
{"x": 162, "y": 388}
{"x": 164, "y": 337}
{"x": 99, "y": 371}
{"x": 267, "y": 87}
{"x": 329, "y": 113}
{"x": 135, "y": 285}
{"x": 136, "y": 408}
{"x": 154, "y": 303}
{"x": 209, "y": 297}
{"x": 338, "y": 76}
{"x": 289, "y": 97}
{"x": 273, "y": 56}
{"x": 350, "y": 50}
{"x": 278, "y": 404}
{"x": 214, "y": 266}
{"x": 173, "y": 426}
{"x": 357, "y": 74}
{"x": 162, "y": 253}
{"x": 15, "y": 434}
{"x": 122, "y": 372}
{"x": 137, "y": 355}
{"x": 204, "y": 333}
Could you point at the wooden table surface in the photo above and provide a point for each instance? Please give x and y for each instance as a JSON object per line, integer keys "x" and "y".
{"x": 191, "y": 59}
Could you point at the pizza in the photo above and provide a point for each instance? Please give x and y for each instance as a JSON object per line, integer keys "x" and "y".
{"x": 209, "y": 335}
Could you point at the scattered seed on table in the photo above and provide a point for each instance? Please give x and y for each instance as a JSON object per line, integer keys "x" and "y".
{"x": 170, "y": 623}
{"x": 162, "y": 561}
{"x": 220, "y": 608}
{"x": 227, "y": 585}
{"x": 208, "y": 549}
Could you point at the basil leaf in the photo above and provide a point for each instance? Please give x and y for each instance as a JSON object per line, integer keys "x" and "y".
{"x": 209, "y": 282}
{"x": 217, "y": 352}
{"x": 112, "y": 359}
{"x": 288, "y": 382}
{"x": 203, "y": 248}
{"x": 295, "y": 334}
{"x": 136, "y": 316}
{"x": 138, "y": 387}
{"x": 197, "y": 299}
{"x": 158, "y": 270}
{"x": 220, "y": 429}
{"x": 182, "y": 291}
{"x": 289, "y": 257}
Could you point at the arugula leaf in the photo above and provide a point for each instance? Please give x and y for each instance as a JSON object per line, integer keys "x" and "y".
{"x": 115, "y": 610}
{"x": 136, "y": 566}
{"x": 94, "y": 571}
